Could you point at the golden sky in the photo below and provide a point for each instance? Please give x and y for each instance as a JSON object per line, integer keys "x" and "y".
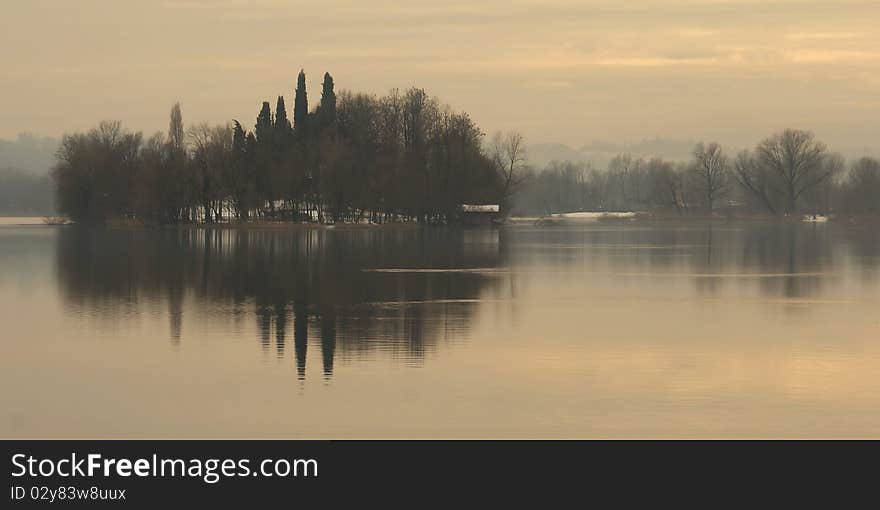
{"x": 557, "y": 70}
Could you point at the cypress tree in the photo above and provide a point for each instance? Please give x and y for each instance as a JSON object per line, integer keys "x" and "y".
{"x": 281, "y": 122}
{"x": 263, "y": 128}
{"x": 283, "y": 131}
{"x": 238, "y": 138}
{"x": 328, "y": 102}
{"x": 301, "y": 103}
{"x": 238, "y": 178}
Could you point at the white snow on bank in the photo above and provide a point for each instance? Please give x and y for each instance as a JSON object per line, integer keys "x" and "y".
{"x": 480, "y": 208}
{"x": 21, "y": 220}
{"x": 594, "y": 215}
{"x": 588, "y": 216}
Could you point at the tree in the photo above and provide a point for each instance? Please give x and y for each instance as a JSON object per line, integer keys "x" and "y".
{"x": 419, "y": 121}
{"x": 756, "y": 179}
{"x": 282, "y": 129}
{"x": 327, "y": 115}
{"x": 818, "y": 198}
{"x": 863, "y": 189}
{"x": 300, "y": 104}
{"x": 176, "y": 168}
{"x": 797, "y": 160}
{"x": 667, "y": 185}
{"x": 96, "y": 173}
{"x": 211, "y": 150}
{"x": 175, "y": 129}
{"x": 402, "y": 157}
{"x": 619, "y": 189}
{"x": 461, "y": 172}
{"x": 712, "y": 168}
{"x": 263, "y": 127}
{"x": 239, "y": 178}
{"x": 266, "y": 161}
{"x": 508, "y": 152}
{"x": 357, "y": 122}
{"x": 281, "y": 122}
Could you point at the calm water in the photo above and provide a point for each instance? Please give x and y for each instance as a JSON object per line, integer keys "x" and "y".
{"x": 584, "y": 331}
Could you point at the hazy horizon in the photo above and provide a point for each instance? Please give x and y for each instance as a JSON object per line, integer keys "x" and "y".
{"x": 561, "y": 71}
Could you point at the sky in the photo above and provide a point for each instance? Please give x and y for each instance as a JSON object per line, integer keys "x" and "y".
{"x": 556, "y": 70}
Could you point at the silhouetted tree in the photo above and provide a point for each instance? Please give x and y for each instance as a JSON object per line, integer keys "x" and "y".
{"x": 283, "y": 130}
{"x": 281, "y": 122}
{"x": 264, "y": 159}
{"x": 327, "y": 110}
{"x": 407, "y": 157}
{"x": 301, "y": 104}
{"x": 263, "y": 127}
{"x": 756, "y": 180}
{"x": 711, "y": 167}
{"x": 240, "y": 177}
{"x": 862, "y": 192}
{"x": 211, "y": 160}
{"x": 797, "y": 161}
{"x": 96, "y": 173}
{"x": 509, "y": 155}
{"x": 175, "y": 130}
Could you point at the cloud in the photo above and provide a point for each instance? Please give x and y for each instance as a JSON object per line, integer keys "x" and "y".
{"x": 588, "y": 59}
{"x": 834, "y": 57}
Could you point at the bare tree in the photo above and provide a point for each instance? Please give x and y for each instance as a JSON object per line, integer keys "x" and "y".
{"x": 619, "y": 171}
{"x": 755, "y": 179}
{"x": 819, "y": 198}
{"x": 211, "y": 153}
{"x": 712, "y": 167}
{"x": 667, "y": 185}
{"x": 864, "y": 186}
{"x": 508, "y": 151}
{"x": 798, "y": 160}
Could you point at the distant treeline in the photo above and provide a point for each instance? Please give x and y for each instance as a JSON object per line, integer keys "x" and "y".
{"x": 23, "y": 193}
{"x": 407, "y": 157}
{"x": 401, "y": 157}
{"x": 787, "y": 173}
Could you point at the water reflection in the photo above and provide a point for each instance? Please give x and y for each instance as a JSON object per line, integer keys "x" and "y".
{"x": 311, "y": 280}
{"x": 787, "y": 261}
{"x": 403, "y": 291}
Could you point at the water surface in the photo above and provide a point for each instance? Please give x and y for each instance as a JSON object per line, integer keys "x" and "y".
{"x": 590, "y": 330}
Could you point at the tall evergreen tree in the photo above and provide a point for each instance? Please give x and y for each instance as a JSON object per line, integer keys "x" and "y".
{"x": 263, "y": 156}
{"x": 301, "y": 103}
{"x": 281, "y": 122}
{"x": 238, "y": 138}
{"x": 283, "y": 131}
{"x": 328, "y": 102}
{"x": 263, "y": 128}
{"x": 177, "y": 167}
{"x": 175, "y": 129}
{"x": 239, "y": 179}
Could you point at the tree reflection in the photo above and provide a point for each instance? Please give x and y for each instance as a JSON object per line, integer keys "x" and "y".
{"x": 317, "y": 279}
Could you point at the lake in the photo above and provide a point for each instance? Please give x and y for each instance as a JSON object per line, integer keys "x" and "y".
{"x": 625, "y": 329}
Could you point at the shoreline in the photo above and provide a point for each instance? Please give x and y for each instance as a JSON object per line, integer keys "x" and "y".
{"x": 544, "y": 221}
{"x": 647, "y": 217}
